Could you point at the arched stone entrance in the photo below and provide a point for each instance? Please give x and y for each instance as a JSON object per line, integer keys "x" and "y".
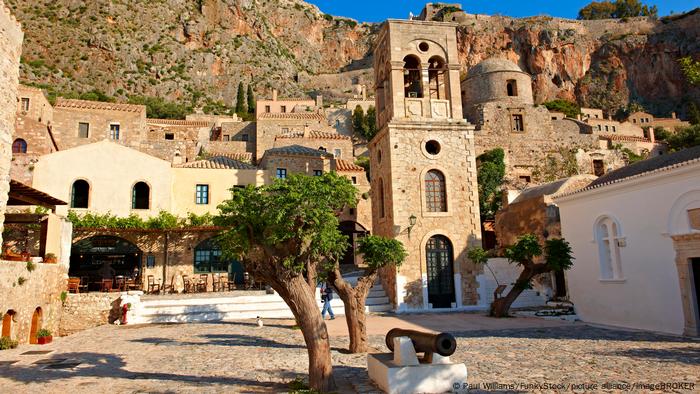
{"x": 104, "y": 257}
{"x": 7, "y": 320}
{"x": 439, "y": 259}
{"x": 36, "y": 325}
{"x": 354, "y": 231}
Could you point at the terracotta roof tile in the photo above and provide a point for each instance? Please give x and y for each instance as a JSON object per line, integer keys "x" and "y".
{"x": 293, "y": 115}
{"x": 347, "y": 166}
{"x": 85, "y": 104}
{"x": 297, "y": 150}
{"x": 218, "y": 163}
{"x": 319, "y": 135}
{"x": 179, "y": 122}
{"x": 246, "y": 157}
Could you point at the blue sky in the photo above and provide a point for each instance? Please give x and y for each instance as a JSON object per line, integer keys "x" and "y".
{"x": 379, "y": 10}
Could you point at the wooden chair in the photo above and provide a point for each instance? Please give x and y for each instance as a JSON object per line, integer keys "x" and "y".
{"x": 187, "y": 284}
{"x": 169, "y": 288}
{"x": 215, "y": 282}
{"x": 74, "y": 285}
{"x": 84, "y": 282}
{"x": 153, "y": 287}
{"x": 120, "y": 283}
{"x": 202, "y": 284}
{"x": 106, "y": 285}
{"x": 231, "y": 283}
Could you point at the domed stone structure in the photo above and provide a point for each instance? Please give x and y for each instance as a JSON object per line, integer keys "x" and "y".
{"x": 496, "y": 79}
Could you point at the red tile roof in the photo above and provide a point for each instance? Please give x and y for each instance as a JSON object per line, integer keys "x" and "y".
{"x": 293, "y": 115}
{"x": 179, "y": 122}
{"x": 319, "y": 135}
{"x": 245, "y": 157}
{"x": 218, "y": 163}
{"x": 627, "y": 138}
{"x": 85, "y": 104}
{"x": 347, "y": 166}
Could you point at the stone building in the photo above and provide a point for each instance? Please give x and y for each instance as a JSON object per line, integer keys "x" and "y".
{"x": 278, "y": 105}
{"x": 340, "y": 146}
{"x": 271, "y": 125}
{"x": 424, "y": 188}
{"x": 646, "y": 120}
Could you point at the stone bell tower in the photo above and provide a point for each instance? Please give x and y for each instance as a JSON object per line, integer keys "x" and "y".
{"x": 424, "y": 189}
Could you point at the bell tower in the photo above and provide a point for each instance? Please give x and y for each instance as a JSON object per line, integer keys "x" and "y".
{"x": 424, "y": 189}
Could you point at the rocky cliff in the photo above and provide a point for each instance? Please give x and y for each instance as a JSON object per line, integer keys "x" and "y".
{"x": 199, "y": 50}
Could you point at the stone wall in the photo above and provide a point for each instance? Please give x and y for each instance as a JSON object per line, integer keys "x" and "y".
{"x": 132, "y": 125}
{"x": 38, "y": 139}
{"x": 268, "y": 129}
{"x": 39, "y": 110}
{"x": 24, "y": 291}
{"x": 11, "y": 36}
{"x": 343, "y": 145}
{"x": 87, "y": 310}
{"x": 294, "y": 164}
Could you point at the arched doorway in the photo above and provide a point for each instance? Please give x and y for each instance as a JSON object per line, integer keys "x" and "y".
{"x": 354, "y": 231}
{"x": 104, "y": 257}
{"x": 36, "y": 325}
{"x": 439, "y": 261}
{"x": 208, "y": 259}
{"x": 7, "y": 320}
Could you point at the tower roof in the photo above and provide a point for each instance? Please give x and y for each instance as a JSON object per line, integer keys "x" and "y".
{"x": 493, "y": 65}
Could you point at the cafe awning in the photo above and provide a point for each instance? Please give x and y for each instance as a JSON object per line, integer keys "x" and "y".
{"x": 22, "y": 195}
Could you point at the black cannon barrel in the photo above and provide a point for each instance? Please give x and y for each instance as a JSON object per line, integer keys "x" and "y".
{"x": 443, "y": 344}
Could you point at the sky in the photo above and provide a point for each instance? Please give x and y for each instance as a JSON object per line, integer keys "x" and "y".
{"x": 379, "y": 10}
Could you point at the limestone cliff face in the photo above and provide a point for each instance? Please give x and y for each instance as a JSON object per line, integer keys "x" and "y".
{"x": 199, "y": 50}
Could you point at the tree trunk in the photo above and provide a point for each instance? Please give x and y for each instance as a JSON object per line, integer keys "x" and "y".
{"x": 301, "y": 299}
{"x": 501, "y": 306}
{"x": 354, "y": 300}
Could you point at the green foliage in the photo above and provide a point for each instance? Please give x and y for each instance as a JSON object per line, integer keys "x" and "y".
{"x": 292, "y": 220}
{"x": 95, "y": 95}
{"x": 380, "y": 252}
{"x": 163, "y": 221}
{"x": 558, "y": 254}
{"x": 363, "y": 161}
{"x": 251, "y": 99}
{"x": 617, "y": 9}
{"x": 685, "y": 137}
{"x": 371, "y": 119}
{"x": 570, "y": 109}
{"x": 241, "y": 106}
{"x": 490, "y": 173}
{"x": 21, "y": 280}
{"x": 157, "y": 107}
{"x": 694, "y": 113}
{"x": 478, "y": 255}
{"x": 30, "y": 266}
{"x": 691, "y": 69}
{"x": 525, "y": 249}
{"x": 6, "y": 343}
{"x": 216, "y": 108}
{"x": 64, "y": 297}
{"x": 557, "y": 166}
{"x": 43, "y": 332}
{"x": 359, "y": 121}
{"x": 299, "y": 386}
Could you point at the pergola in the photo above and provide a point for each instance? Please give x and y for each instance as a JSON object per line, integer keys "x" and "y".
{"x": 23, "y": 195}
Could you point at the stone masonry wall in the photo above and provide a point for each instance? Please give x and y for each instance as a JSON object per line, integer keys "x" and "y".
{"x": 23, "y": 292}
{"x": 87, "y": 310}
{"x": 65, "y": 126}
{"x": 11, "y": 36}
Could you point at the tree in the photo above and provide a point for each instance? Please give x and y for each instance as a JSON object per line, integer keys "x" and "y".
{"x": 525, "y": 253}
{"x": 240, "y": 100}
{"x": 359, "y": 121}
{"x": 683, "y": 138}
{"x": 489, "y": 176}
{"x": 371, "y": 120}
{"x": 570, "y": 109}
{"x": 377, "y": 252}
{"x": 691, "y": 69}
{"x": 616, "y": 9}
{"x": 283, "y": 232}
{"x": 157, "y": 107}
{"x": 251, "y": 100}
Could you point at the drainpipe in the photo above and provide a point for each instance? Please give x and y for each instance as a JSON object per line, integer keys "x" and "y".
{"x": 165, "y": 258}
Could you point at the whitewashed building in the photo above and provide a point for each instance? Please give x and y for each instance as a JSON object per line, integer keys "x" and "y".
{"x": 635, "y": 235}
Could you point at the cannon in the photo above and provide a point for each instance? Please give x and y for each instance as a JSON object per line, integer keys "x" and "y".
{"x": 443, "y": 344}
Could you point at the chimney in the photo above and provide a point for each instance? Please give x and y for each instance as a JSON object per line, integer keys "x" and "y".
{"x": 274, "y": 94}
{"x": 364, "y": 92}
{"x": 319, "y": 101}
{"x": 307, "y": 130}
{"x": 652, "y": 137}
{"x": 673, "y": 115}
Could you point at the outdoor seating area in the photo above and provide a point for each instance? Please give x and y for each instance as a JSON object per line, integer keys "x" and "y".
{"x": 119, "y": 283}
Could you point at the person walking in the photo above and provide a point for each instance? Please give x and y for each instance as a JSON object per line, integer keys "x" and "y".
{"x": 326, "y": 297}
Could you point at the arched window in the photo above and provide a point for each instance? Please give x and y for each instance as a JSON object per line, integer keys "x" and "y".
{"x": 439, "y": 260}
{"x": 608, "y": 238}
{"x": 435, "y": 191}
{"x": 412, "y": 79}
{"x": 141, "y": 196}
{"x": 380, "y": 185}
{"x": 19, "y": 146}
{"x": 512, "y": 87}
{"x": 437, "y": 72}
{"x": 80, "y": 194}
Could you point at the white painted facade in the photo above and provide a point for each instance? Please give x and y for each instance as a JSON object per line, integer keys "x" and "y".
{"x": 637, "y": 284}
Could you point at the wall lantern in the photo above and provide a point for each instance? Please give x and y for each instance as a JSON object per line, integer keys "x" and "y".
{"x": 411, "y": 222}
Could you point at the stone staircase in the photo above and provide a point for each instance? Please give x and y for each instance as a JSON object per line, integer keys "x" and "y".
{"x": 234, "y": 306}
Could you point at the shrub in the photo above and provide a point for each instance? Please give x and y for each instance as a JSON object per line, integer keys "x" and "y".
{"x": 7, "y": 343}
{"x": 569, "y": 108}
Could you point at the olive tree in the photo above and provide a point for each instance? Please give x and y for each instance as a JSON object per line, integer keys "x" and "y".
{"x": 525, "y": 253}
{"x": 377, "y": 252}
{"x": 283, "y": 232}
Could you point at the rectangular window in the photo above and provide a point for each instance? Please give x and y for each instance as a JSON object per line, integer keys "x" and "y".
{"x": 351, "y": 211}
{"x": 114, "y": 131}
{"x": 284, "y": 108}
{"x": 354, "y": 180}
{"x": 518, "y": 125}
{"x": 150, "y": 261}
{"x": 202, "y": 194}
{"x": 244, "y": 137}
{"x": 83, "y": 130}
{"x": 337, "y": 153}
{"x": 318, "y": 172}
{"x": 227, "y": 137}
{"x": 285, "y": 130}
{"x": 169, "y": 136}
{"x": 25, "y": 104}
{"x": 281, "y": 173}
{"x": 267, "y": 109}
{"x": 524, "y": 178}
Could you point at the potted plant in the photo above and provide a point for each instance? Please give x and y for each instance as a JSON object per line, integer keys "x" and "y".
{"x": 50, "y": 258}
{"x": 43, "y": 336}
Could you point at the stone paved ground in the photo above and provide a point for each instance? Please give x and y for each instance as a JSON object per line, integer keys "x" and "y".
{"x": 240, "y": 357}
